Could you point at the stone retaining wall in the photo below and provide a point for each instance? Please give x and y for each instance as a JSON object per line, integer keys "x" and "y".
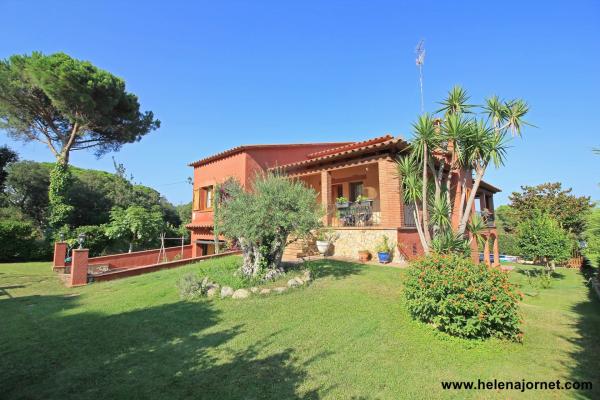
{"x": 351, "y": 240}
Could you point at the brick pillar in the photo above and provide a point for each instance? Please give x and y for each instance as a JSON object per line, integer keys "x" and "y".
{"x": 390, "y": 194}
{"x": 486, "y": 252}
{"x": 79, "y": 267}
{"x": 60, "y": 253}
{"x": 326, "y": 196}
{"x": 496, "y": 252}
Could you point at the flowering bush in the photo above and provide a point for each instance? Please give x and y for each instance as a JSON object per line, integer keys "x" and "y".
{"x": 462, "y": 298}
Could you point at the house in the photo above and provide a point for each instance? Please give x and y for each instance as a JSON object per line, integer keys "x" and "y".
{"x": 362, "y": 172}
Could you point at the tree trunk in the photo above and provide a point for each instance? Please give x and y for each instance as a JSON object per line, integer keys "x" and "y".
{"x": 420, "y": 230}
{"x": 424, "y": 197}
{"x": 467, "y": 214}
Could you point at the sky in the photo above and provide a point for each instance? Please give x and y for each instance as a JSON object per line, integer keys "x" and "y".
{"x": 224, "y": 73}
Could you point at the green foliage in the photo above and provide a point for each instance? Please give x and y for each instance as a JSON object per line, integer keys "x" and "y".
{"x": 92, "y": 194}
{"x": 591, "y": 236}
{"x": 341, "y": 200}
{"x": 19, "y": 240}
{"x": 68, "y": 104}
{"x": 7, "y": 157}
{"x": 263, "y": 219}
{"x": 463, "y": 299}
{"x": 569, "y": 210}
{"x": 384, "y": 245}
{"x": 450, "y": 243}
{"x": 506, "y": 219}
{"x": 191, "y": 286}
{"x": 96, "y": 239}
{"x": 136, "y": 224}
{"x": 508, "y": 244}
{"x": 541, "y": 239}
{"x": 59, "y": 208}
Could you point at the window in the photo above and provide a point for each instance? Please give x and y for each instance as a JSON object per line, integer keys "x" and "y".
{"x": 203, "y": 198}
{"x": 356, "y": 189}
{"x": 209, "y": 197}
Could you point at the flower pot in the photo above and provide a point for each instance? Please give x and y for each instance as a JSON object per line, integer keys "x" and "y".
{"x": 364, "y": 256}
{"x": 384, "y": 257}
{"x": 323, "y": 246}
{"x": 343, "y": 205}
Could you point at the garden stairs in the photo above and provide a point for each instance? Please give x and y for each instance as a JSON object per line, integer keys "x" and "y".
{"x": 299, "y": 249}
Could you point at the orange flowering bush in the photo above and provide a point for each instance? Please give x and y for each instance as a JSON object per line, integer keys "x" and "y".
{"x": 462, "y": 298}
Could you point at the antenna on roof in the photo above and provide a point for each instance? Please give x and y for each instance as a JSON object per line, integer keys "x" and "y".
{"x": 420, "y": 52}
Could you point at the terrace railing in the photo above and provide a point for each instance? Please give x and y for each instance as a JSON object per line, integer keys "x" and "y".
{"x": 352, "y": 214}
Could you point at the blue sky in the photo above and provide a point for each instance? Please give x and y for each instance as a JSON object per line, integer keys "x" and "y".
{"x": 223, "y": 73}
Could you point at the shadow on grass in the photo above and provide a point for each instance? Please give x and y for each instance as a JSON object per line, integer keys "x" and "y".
{"x": 50, "y": 348}
{"x": 535, "y": 272}
{"x": 587, "y": 341}
{"x": 331, "y": 268}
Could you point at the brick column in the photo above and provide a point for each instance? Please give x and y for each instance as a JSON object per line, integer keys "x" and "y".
{"x": 79, "y": 267}
{"x": 486, "y": 252}
{"x": 496, "y": 252}
{"x": 60, "y": 253}
{"x": 390, "y": 194}
{"x": 326, "y": 196}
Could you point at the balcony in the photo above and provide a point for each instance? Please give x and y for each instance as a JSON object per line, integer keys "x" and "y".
{"x": 357, "y": 214}
{"x": 488, "y": 218}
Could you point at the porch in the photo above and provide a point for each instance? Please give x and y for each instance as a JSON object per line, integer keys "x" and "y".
{"x": 359, "y": 194}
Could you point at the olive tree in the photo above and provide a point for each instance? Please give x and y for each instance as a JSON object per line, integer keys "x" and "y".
{"x": 264, "y": 219}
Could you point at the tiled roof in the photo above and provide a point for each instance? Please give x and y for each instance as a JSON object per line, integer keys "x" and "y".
{"x": 339, "y": 152}
{"x": 239, "y": 149}
{"x": 488, "y": 187}
{"x": 199, "y": 225}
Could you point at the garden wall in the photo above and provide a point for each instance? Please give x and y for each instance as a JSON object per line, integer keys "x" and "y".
{"x": 353, "y": 239}
{"x": 139, "y": 270}
{"x": 139, "y": 258}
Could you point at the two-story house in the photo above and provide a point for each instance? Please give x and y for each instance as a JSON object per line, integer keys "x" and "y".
{"x": 356, "y": 182}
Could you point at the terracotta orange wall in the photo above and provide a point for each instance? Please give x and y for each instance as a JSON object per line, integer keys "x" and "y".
{"x": 407, "y": 240}
{"x": 139, "y": 258}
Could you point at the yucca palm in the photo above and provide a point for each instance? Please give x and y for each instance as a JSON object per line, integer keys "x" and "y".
{"x": 473, "y": 144}
{"x": 456, "y": 102}
{"x": 425, "y": 139}
{"x": 476, "y": 226}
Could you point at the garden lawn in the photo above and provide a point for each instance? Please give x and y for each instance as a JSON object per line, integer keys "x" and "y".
{"x": 348, "y": 335}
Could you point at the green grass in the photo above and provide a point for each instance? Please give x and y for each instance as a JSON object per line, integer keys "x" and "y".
{"x": 223, "y": 271}
{"x": 348, "y": 335}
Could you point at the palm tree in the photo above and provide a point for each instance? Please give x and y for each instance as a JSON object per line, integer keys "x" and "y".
{"x": 471, "y": 144}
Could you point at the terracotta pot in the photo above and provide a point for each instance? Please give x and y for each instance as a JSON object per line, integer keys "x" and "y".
{"x": 364, "y": 256}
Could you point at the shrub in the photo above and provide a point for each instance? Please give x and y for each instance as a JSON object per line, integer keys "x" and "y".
{"x": 463, "y": 299}
{"x": 17, "y": 240}
{"x": 508, "y": 244}
{"x": 192, "y": 286}
{"x": 541, "y": 239}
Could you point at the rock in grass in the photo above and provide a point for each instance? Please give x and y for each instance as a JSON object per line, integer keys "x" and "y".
{"x": 212, "y": 292}
{"x": 226, "y": 291}
{"x": 254, "y": 289}
{"x": 299, "y": 280}
{"x": 240, "y": 294}
{"x": 265, "y": 291}
{"x": 293, "y": 283}
{"x": 307, "y": 276}
{"x": 280, "y": 289}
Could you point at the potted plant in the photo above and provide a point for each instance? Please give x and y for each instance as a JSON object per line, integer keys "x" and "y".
{"x": 324, "y": 238}
{"x": 364, "y": 255}
{"x": 363, "y": 201}
{"x": 384, "y": 250}
{"x": 342, "y": 202}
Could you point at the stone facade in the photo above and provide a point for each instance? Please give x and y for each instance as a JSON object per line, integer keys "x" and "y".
{"x": 351, "y": 240}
